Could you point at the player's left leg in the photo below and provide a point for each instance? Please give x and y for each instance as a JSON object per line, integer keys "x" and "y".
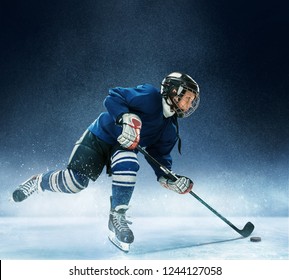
{"x": 87, "y": 160}
{"x": 65, "y": 181}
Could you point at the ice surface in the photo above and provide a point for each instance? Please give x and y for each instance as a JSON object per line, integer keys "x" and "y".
{"x": 166, "y": 225}
{"x": 199, "y": 238}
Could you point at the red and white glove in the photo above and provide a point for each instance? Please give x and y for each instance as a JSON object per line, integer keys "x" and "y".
{"x": 131, "y": 126}
{"x": 182, "y": 185}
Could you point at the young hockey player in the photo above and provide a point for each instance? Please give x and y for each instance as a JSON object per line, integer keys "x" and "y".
{"x": 142, "y": 116}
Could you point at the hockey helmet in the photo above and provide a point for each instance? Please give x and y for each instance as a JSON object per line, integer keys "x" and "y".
{"x": 174, "y": 86}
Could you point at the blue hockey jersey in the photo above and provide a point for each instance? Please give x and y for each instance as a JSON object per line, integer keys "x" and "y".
{"x": 158, "y": 134}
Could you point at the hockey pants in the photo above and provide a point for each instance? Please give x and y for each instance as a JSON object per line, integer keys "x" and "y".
{"x": 89, "y": 156}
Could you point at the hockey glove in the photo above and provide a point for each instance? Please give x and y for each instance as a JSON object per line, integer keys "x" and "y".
{"x": 131, "y": 126}
{"x": 182, "y": 185}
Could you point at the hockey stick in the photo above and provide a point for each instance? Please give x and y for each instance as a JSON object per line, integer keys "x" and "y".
{"x": 247, "y": 229}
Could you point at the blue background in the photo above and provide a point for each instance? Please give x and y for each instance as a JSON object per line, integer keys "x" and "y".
{"x": 58, "y": 59}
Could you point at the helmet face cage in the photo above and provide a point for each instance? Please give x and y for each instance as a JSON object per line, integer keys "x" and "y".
{"x": 176, "y": 85}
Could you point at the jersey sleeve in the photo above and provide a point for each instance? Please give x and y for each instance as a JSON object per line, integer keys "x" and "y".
{"x": 161, "y": 150}
{"x": 116, "y": 102}
{"x": 164, "y": 159}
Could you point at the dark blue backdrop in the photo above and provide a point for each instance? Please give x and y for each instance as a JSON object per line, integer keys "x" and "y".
{"x": 58, "y": 59}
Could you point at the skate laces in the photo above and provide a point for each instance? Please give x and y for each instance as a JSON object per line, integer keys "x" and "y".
{"x": 29, "y": 186}
{"x": 119, "y": 218}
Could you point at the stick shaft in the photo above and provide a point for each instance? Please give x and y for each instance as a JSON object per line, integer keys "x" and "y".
{"x": 245, "y": 232}
{"x": 214, "y": 211}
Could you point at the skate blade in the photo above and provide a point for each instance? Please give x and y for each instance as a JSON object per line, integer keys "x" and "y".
{"x": 125, "y": 247}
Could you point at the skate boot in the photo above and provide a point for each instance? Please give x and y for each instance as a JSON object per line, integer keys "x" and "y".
{"x": 26, "y": 189}
{"x": 119, "y": 232}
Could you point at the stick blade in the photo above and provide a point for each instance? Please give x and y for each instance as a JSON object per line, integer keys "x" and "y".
{"x": 247, "y": 230}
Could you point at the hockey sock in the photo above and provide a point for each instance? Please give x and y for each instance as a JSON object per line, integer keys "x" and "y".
{"x": 65, "y": 181}
{"x": 121, "y": 195}
{"x": 124, "y": 167}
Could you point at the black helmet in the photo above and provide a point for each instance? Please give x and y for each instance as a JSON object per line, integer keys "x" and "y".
{"x": 176, "y": 84}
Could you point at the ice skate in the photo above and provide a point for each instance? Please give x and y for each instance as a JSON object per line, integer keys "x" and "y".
{"x": 119, "y": 232}
{"x": 26, "y": 189}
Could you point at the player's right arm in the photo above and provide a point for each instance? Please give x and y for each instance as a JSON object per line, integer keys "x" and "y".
{"x": 131, "y": 126}
{"x": 119, "y": 104}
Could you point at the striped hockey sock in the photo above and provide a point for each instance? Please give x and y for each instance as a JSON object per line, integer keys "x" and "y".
{"x": 65, "y": 181}
{"x": 124, "y": 166}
